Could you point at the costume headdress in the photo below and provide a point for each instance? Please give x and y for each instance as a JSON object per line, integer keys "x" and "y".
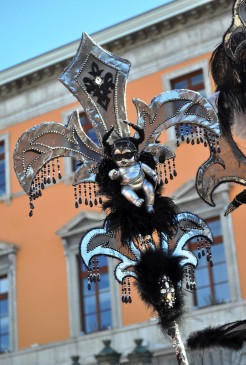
{"x": 162, "y": 269}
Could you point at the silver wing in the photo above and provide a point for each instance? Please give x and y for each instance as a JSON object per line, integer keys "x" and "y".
{"x": 98, "y": 79}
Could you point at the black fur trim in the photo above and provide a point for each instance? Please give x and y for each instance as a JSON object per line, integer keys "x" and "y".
{"x": 230, "y": 79}
{"x": 231, "y": 336}
{"x": 127, "y": 219}
{"x": 150, "y": 268}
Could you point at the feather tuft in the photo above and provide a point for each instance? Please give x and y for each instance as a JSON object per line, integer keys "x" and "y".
{"x": 150, "y": 268}
{"x": 231, "y": 336}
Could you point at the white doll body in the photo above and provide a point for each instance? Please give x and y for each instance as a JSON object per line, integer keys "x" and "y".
{"x": 132, "y": 178}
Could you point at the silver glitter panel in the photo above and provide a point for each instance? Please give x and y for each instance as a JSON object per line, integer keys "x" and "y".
{"x": 220, "y": 168}
{"x": 101, "y": 115}
{"x": 96, "y": 242}
{"x": 46, "y": 141}
{"x": 175, "y": 107}
{"x": 192, "y": 226}
{"x": 157, "y": 150}
{"x": 99, "y": 241}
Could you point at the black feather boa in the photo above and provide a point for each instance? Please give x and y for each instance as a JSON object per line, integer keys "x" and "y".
{"x": 230, "y": 79}
{"x": 128, "y": 220}
{"x": 231, "y": 336}
{"x": 150, "y": 268}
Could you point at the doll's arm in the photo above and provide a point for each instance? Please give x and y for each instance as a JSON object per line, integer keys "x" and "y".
{"x": 150, "y": 172}
{"x": 114, "y": 174}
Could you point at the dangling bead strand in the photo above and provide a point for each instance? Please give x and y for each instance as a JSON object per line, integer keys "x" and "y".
{"x": 129, "y": 298}
{"x": 85, "y": 194}
{"x": 58, "y": 169}
{"x": 174, "y": 167}
{"x": 95, "y": 194}
{"x": 169, "y": 169}
{"x": 48, "y": 177}
{"x": 53, "y": 172}
{"x": 177, "y": 136}
{"x": 76, "y": 204}
{"x": 165, "y": 172}
{"x": 80, "y": 195}
{"x": 90, "y": 200}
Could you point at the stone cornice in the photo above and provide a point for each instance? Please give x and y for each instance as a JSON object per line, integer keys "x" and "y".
{"x": 121, "y": 38}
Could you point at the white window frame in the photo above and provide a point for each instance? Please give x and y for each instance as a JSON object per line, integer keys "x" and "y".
{"x": 6, "y": 196}
{"x": 8, "y": 267}
{"x": 187, "y": 199}
{"x": 182, "y": 71}
{"x": 85, "y": 220}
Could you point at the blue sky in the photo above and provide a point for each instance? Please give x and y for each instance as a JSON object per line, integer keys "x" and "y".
{"x": 29, "y": 28}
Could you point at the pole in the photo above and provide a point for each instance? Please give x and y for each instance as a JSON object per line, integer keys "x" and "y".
{"x": 178, "y": 345}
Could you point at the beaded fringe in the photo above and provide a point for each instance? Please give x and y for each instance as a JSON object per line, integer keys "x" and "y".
{"x": 44, "y": 177}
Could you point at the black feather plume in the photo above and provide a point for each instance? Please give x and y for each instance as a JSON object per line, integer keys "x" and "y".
{"x": 128, "y": 220}
{"x": 150, "y": 268}
{"x": 231, "y": 336}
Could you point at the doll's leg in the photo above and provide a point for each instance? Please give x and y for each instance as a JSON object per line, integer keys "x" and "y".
{"x": 131, "y": 196}
{"x": 149, "y": 193}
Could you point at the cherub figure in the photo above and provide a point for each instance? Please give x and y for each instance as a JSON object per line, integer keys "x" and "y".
{"x": 132, "y": 173}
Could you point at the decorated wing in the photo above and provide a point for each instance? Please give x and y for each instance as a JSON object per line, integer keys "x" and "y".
{"x": 99, "y": 241}
{"x": 184, "y": 108}
{"x": 97, "y": 78}
{"x": 227, "y": 166}
{"x": 193, "y": 117}
{"x": 38, "y": 148}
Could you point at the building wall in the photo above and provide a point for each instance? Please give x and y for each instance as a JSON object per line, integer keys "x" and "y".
{"x": 42, "y": 287}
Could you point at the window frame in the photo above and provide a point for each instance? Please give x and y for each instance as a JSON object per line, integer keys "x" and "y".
{"x": 193, "y": 246}
{"x": 183, "y": 71}
{"x": 77, "y": 227}
{"x": 5, "y": 137}
{"x": 187, "y": 199}
{"x": 84, "y": 275}
{"x": 8, "y": 268}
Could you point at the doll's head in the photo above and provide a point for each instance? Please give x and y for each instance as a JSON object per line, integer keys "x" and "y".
{"x": 124, "y": 152}
{"x": 127, "y": 146}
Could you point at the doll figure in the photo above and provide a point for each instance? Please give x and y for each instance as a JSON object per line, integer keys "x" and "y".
{"x": 131, "y": 174}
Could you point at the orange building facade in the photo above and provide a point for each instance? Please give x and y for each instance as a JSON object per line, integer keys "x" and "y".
{"x": 46, "y": 314}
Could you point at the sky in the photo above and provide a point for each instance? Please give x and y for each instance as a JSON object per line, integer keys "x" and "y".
{"x": 29, "y": 28}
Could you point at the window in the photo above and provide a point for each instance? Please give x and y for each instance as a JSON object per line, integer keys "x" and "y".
{"x": 2, "y": 168}
{"x": 193, "y": 77}
{"x": 4, "y": 314}
{"x": 8, "y": 323}
{"x": 192, "y": 81}
{"x": 220, "y": 283}
{"x": 96, "y": 309}
{"x": 95, "y": 303}
{"x": 85, "y": 122}
{"x": 212, "y": 285}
